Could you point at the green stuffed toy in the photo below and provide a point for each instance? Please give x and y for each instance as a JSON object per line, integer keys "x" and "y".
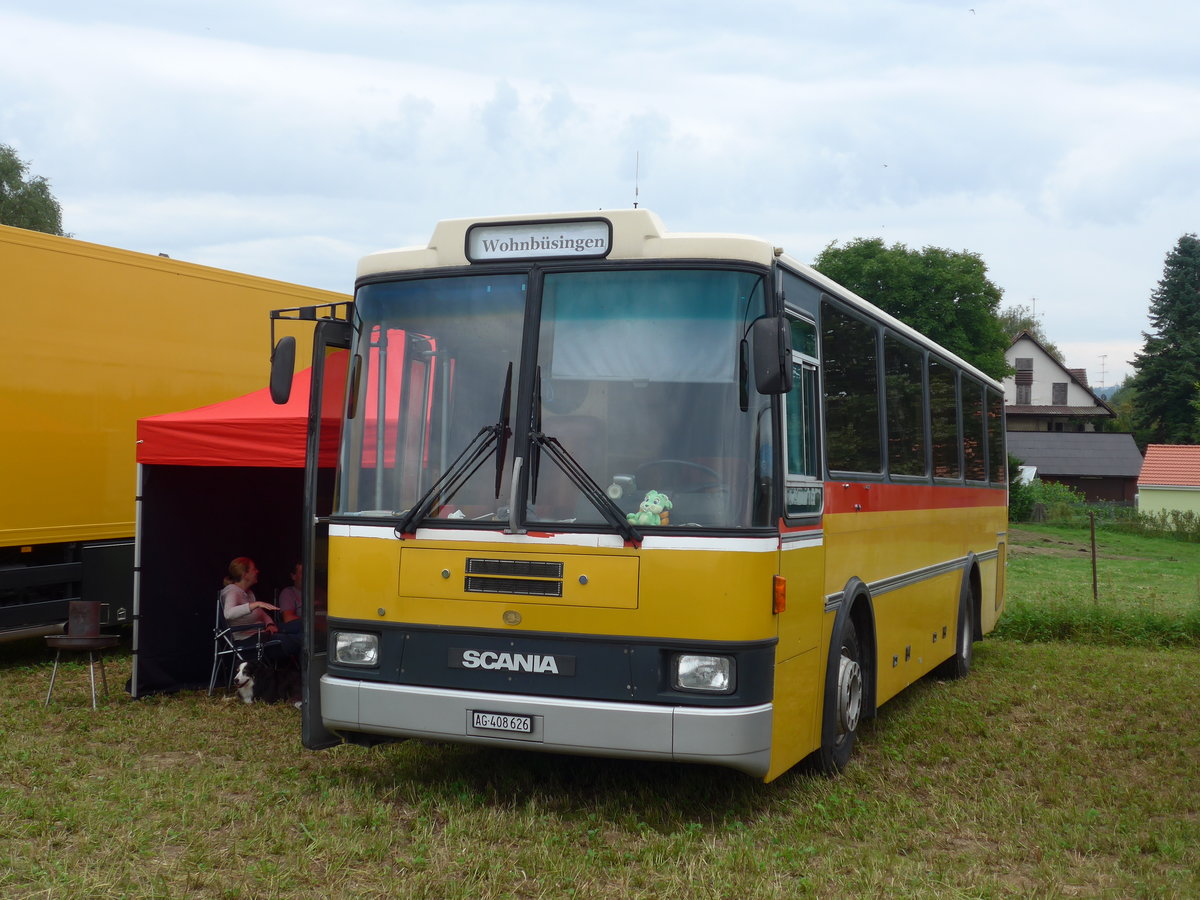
{"x": 654, "y": 510}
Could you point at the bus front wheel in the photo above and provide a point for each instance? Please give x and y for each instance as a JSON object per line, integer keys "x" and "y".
{"x": 843, "y": 704}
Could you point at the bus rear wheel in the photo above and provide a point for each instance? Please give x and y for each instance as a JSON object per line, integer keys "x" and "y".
{"x": 959, "y": 665}
{"x": 843, "y": 704}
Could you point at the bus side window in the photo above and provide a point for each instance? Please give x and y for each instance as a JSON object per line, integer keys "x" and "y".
{"x": 974, "y": 431}
{"x": 904, "y": 392}
{"x": 849, "y": 362}
{"x": 997, "y": 458}
{"x": 943, "y": 408}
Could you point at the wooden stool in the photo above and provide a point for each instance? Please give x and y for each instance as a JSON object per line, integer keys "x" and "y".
{"x": 95, "y": 645}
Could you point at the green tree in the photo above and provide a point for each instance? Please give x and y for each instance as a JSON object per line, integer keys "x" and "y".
{"x": 939, "y": 292}
{"x": 26, "y": 202}
{"x": 1018, "y": 318}
{"x": 1168, "y": 367}
{"x": 1196, "y": 413}
{"x": 1123, "y": 401}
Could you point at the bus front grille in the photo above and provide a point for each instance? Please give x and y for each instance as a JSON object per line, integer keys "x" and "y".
{"x": 526, "y": 577}
{"x": 529, "y": 587}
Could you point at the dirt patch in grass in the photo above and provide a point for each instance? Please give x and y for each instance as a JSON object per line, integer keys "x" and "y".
{"x": 1027, "y": 543}
{"x": 171, "y": 760}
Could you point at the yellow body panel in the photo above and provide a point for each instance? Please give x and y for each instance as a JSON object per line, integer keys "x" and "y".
{"x": 587, "y": 579}
{"x": 709, "y": 595}
{"x": 880, "y": 544}
{"x": 103, "y": 337}
{"x": 993, "y": 587}
{"x": 706, "y": 595}
{"x": 915, "y": 624}
{"x": 800, "y": 658}
{"x": 799, "y": 687}
{"x": 800, "y": 623}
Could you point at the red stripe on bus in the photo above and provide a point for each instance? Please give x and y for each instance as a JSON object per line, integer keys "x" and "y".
{"x": 843, "y": 497}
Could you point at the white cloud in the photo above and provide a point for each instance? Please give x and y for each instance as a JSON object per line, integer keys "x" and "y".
{"x": 285, "y": 138}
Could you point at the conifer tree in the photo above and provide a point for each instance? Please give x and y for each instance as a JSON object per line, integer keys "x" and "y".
{"x": 1167, "y": 370}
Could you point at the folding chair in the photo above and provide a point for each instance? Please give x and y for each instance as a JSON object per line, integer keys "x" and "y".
{"x": 228, "y": 652}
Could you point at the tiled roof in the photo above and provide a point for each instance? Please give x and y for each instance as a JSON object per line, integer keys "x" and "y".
{"x": 1171, "y": 464}
{"x": 1077, "y": 453}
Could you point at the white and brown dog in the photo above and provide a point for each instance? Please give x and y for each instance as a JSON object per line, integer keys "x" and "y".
{"x": 258, "y": 682}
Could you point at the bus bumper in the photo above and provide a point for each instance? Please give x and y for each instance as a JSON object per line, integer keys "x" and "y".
{"x": 738, "y": 738}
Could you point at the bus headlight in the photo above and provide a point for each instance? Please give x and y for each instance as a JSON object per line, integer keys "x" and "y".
{"x": 352, "y": 648}
{"x": 697, "y": 672}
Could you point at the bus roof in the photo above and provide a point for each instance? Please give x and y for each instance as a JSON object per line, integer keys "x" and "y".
{"x": 624, "y": 234}
{"x": 635, "y": 234}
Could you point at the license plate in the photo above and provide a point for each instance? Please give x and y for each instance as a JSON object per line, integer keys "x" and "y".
{"x": 502, "y": 722}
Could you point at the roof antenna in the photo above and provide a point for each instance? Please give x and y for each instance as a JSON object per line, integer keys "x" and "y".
{"x": 637, "y": 166}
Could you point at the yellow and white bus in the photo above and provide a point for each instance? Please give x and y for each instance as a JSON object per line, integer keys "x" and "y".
{"x": 605, "y": 489}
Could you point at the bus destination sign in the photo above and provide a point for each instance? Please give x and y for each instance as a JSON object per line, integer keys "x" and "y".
{"x": 588, "y": 238}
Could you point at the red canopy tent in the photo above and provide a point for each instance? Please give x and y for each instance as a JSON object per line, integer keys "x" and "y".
{"x": 215, "y": 483}
{"x": 248, "y": 431}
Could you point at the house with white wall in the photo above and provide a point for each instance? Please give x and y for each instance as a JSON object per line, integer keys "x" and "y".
{"x": 1044, "y": 395}
{"x": 1170, "y": 479}
{"x": 1055, "y": 424}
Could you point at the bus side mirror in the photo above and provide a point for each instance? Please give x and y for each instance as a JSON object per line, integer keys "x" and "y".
{"x": 283, "y": 367}
{"x": 772, "y": 338}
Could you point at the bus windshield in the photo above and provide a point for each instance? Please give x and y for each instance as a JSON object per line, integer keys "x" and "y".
{"x": 637, "y": 382}
{"x": 433, "y": 356}
{"x": 640, "y": 384}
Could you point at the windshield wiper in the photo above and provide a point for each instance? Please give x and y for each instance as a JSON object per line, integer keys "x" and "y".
{"x": 489, "y": 439}
{"x": 587, "y": 485}
{"x": 578, "y": 475}
{"x": 503, "y": 431}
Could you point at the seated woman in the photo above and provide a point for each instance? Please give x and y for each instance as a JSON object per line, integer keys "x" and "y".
{"x": 248, "y": 616}
{"x": 290, "y": 602}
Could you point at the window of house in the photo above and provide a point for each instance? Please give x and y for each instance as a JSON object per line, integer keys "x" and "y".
{"x": 1024, "y": 364}
{"x": 1058, "y": 393}
{"x": 1024, "y": 394}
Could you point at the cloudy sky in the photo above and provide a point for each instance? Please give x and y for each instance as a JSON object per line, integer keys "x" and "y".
{"x": 286, "y": 138}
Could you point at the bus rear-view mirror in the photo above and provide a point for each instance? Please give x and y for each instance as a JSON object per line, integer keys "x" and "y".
{"x": 772, "y": 339}
{"x": 283, "y": 367}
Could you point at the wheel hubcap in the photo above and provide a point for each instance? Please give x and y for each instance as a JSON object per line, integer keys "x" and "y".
{"x": 849, "y": 694}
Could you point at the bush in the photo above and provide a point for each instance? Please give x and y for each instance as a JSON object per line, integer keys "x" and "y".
{"x": 1059, "y": 500}
{"x": 1180, "y": 525}
{"x": 1065, "y": 507}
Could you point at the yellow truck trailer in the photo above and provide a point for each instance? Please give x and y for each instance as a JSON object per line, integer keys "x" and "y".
{"x": 97, "y": 338}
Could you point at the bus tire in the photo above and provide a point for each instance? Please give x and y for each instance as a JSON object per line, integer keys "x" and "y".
{"x": 844, "y": 697}
{"x": 959, "y": 665}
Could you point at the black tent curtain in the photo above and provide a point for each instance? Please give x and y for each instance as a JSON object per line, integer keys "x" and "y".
{"x": 194, "y": 521}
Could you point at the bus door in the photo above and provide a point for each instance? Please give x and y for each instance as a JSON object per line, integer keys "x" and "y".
{"x": 802, "y": 635}
{"x": 803, "y": 493}
{"x": 331, "y": 356}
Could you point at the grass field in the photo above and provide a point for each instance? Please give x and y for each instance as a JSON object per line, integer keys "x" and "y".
{"x": 1057, "y": 769}
{"x": 1147, "y": 590}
